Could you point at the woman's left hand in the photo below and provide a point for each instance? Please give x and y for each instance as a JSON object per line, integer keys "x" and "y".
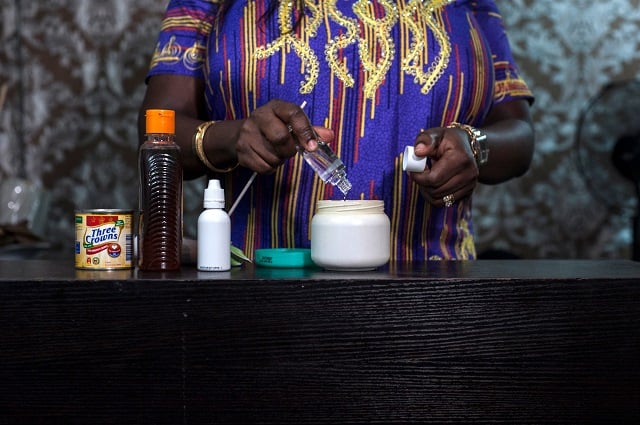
{"x": 453, "y": 173}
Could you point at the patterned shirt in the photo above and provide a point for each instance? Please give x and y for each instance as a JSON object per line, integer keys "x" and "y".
{"x": 374, "y": 71}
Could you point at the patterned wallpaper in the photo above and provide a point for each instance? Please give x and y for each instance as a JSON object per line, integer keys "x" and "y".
{"x": 74, "y": 72}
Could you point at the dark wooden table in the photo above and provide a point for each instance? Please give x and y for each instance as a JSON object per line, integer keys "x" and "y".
{"x": 509, "y": 341}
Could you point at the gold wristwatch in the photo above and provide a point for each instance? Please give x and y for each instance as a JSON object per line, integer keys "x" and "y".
{"x": 477, "y": 141}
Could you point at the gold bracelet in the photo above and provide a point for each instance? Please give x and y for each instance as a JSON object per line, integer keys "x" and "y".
{"x": 477, "y": 141}
{"x": 198, "y": 148}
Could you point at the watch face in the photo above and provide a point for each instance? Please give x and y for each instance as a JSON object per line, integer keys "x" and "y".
{"x": 477, "y": 141}
{"x": 483, "y": 149}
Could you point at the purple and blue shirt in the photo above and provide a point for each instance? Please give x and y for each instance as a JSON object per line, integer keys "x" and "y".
{"x": 374, "y": 71}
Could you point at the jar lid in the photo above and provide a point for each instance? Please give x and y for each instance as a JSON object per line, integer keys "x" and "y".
{"x": 360, "y": 206}
{"x": 283, "y": 257}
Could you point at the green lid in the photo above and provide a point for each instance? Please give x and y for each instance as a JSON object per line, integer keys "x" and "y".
{"x": 284, "y": 258}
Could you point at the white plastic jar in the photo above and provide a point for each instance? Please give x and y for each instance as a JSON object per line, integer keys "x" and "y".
{"x": 350, "y": 235}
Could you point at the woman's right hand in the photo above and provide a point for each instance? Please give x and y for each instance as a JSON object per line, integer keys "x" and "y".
{"x": 260, "y": 142}
{"x": 273, "y": 133}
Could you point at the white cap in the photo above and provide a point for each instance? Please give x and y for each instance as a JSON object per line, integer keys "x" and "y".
{"x": 214, "y": 195}
{"x": 411, "y": 162}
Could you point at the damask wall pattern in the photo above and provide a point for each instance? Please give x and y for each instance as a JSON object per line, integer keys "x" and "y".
{"x": 568, "y": 51}
{"x": 74, "y": 71}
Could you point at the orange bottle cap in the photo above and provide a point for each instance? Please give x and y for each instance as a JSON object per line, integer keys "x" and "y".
{"x": 160, "y": 121}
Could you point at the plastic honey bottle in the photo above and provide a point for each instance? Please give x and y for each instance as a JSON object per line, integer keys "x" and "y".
{"x": 160, "y": 226}
{"x": 214, "y": 231}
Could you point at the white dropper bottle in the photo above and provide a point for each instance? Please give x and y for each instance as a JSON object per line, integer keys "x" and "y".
{"x": 214, "y": 231}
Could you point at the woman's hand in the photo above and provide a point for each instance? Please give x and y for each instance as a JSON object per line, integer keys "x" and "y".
{"x": 273, "y": 133}
{"x": 261, "y": 142}
{"x": 453, "y": 173}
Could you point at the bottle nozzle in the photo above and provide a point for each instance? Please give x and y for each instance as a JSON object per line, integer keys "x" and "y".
{"x": 214, "y": 195}
{"x": 214, "y": 184}
{"x": 344, "y": 185}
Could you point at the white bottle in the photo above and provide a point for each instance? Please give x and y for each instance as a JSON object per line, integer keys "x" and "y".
{"x": 214, "y": 231}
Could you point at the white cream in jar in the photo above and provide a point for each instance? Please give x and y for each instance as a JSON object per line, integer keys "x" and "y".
{"x": 350, "y": 235}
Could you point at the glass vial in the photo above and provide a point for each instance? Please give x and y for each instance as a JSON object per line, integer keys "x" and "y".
{"x": 214, "y": 231}
{"x": 328, "y": 166}
{"x": 160, "y": 166}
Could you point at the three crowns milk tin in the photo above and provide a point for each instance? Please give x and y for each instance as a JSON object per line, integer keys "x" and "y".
{"x": 104, "y": 239}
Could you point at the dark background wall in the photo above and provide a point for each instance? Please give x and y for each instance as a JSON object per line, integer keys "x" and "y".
{"x": 74, "y": 72}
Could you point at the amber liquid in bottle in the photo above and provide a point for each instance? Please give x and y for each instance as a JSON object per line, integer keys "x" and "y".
{"x": 160, "y": 227}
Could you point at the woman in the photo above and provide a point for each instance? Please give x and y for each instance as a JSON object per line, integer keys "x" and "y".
{"x": 375, "y": 76}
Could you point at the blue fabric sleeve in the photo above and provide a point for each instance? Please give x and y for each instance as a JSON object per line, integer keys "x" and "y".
{"x": 509, "y": 84}
{"x": 183, "y": 38}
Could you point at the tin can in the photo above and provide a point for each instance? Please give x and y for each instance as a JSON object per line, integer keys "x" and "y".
{"x": 104, "y": 239}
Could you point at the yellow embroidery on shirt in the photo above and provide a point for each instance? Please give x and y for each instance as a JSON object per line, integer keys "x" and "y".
{"x": 340, "y": 42}
{"x": 412, "y": 63}
{"x": 289, "y": 39}
{"x": 192, "y": 57}
{"x": 170, "y": 53}
{"x": 465, "y": 246}
{"x": 376, "y": 46}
